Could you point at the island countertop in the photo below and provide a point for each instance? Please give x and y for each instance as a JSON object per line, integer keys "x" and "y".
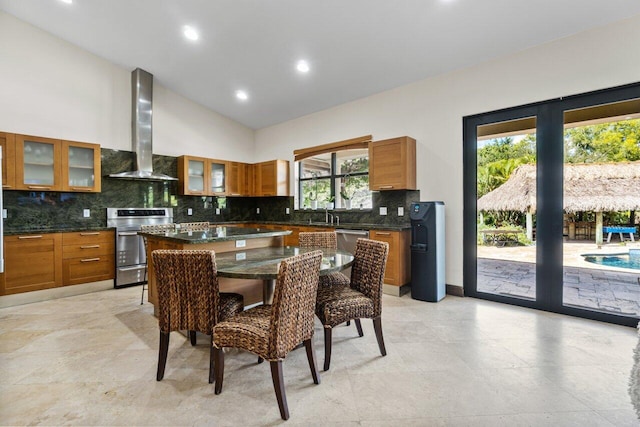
{"x": 216, "y": 234}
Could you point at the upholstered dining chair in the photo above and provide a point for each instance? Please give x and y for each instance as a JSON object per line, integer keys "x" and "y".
{"x": 324, "y": 240}
{"x": 272, "y": 331}
{"x": 362, "y": 299}
{"x": 194, "y": 226}
{"x": 189, "y": 298}
{"x": 151, "y": 228}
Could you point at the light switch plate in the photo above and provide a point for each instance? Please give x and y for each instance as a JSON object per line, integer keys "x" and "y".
{"x": 189, "y": 211}
{"x": 383, "y": 210}
{"x": 4, "y": 213}
{"x": 217, "y": 211}
{"x": 287, "y": 211}
{"x": 86, "y": 213}
{"x": 400, "y": 210}
{"x": 257, "y": 210}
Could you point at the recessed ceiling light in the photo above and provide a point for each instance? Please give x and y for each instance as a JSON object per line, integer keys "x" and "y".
{"x": 302, "y": 66}
{"x": 190, "y": 32}
{"x": 67, "y": 1}
{"x": 242, "y": 95}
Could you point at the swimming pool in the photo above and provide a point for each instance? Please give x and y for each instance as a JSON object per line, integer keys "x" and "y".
{"x": 629, "y": 259}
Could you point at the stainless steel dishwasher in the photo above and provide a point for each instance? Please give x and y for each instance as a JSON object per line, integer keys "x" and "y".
{"x": 347, "y": 242}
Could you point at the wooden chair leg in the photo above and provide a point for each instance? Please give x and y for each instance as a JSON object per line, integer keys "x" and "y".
{"x": 163, "y": 349}
{"x": 348, "y": 322}
{"x": 211, "y": 364}
{"x": 218, "y": 368}
{"x": 311, "y": 357}
{"x": 359, "y": 327}
{"x": 192, "y": 337}
{"x": 260, "y": 359}
{"x": 278, "y": 385}
{"x": 377, "y": 326}
{"x": 327, "y": 348}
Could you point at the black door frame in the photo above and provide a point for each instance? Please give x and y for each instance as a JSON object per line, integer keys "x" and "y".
{"x": 550, "y": 162}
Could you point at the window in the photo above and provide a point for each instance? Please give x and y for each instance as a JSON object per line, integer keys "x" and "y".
{"x": 339, "y": 177}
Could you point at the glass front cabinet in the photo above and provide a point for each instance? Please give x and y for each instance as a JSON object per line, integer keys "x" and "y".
{"x": 80, "y": 167}
{"x": 38, "y": 165}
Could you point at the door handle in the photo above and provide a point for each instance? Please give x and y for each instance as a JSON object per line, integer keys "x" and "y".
{"x": 90, "y": 260}
{"x": 90, "y": 247}
{"x": 29, "y": 237}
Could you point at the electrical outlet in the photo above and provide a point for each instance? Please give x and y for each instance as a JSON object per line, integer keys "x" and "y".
{"x": 4, "y": 213}
{"x": 400, "y": 210}
{"x": 258, "y": 210}
{"x": 86, "y": 213}
{"x": 189, "y": 211}
{"x": 241, "y": 256}
{"x": 241, "y": 243}
{"x": 217, "y": 211}
{"x": 286, "y": 211}
{"x": 383, "y": 210}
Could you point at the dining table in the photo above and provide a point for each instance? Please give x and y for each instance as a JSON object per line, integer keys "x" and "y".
{"x": 263, "y": 264}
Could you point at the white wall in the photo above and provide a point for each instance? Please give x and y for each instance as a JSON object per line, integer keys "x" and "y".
{"x": 51, "y": 88}
{"x": 432, "y": 110}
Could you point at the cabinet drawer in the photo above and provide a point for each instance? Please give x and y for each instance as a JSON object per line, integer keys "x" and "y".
{"x": 87, "y": 237}
{"x": 88, "y": 250}
{"x": 90, "y": 269}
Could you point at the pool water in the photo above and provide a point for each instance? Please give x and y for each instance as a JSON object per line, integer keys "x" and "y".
{"x": 623, "y": 260}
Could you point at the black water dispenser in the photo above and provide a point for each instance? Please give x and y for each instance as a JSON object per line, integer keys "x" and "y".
{"x": 427, "y": 251}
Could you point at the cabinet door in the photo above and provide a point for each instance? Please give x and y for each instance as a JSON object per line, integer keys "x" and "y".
{"x": 32, "y": 262}
{"x": 81, "y": 167}
{"x": 392, "y": 164}
{"x": 38, "y": 163}
{"x": 237, "y": 179}
{"x": 398, "y": 269}
{"x": 217, "y": 177}
{"x": 8, "y": 144}
{"x": 272, "y": 178}
{"x": 193, "y": 174}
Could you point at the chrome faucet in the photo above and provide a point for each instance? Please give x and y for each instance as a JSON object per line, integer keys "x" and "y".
{"x": 328, "y": 215}
{"x": 338, "y": 223}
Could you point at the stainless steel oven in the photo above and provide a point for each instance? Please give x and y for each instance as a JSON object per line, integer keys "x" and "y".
{"x": 131, "y": 259}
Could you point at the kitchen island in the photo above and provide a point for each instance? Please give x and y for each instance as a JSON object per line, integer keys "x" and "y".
{"x": 220, "y": 239}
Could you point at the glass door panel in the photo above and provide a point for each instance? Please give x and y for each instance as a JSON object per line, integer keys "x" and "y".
{"x": 218, "y": 177}
{"x": 196, "y": 176}
{"x": 601, "y": 253}
{"x": 506, "y": 207}
{"x": 38, "y": 163}
{"x": 81, "y": 167}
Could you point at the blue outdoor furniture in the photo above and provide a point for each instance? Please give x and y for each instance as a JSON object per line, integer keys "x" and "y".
{"x": 619, "y": 230}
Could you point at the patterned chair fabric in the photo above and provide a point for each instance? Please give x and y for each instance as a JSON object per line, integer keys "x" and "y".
{"x": 188, "y": 296}
{"x": 194, "y": 226}
{"x": 324, "y": 240}
{"x": 152, "y": 228}
{"x": 272, "y": 331}
{"x": 361, "y": 300}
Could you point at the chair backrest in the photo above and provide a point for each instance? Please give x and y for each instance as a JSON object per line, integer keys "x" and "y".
{"x": 188, "y": 292}
{"x": 367, "y": 271}
{"x": 194, "y": 226}
{"x": 294, "y": 301}
{"x": 320, "y": 239}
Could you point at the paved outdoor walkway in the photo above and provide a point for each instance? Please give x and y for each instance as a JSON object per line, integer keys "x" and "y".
{"x": 596, "y": 289}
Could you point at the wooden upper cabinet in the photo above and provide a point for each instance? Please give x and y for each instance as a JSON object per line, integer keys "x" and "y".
{"x": 392, "y": 164}
{"x": 238, "y": 179}
{"x": 8, "y": 144}
{"x": 38, "y": 163}
{"x": 271, "y": 178}
{"x": 218, "y": 173}
{"x": 81, "y": 167}
{"x": 193, "y": 175}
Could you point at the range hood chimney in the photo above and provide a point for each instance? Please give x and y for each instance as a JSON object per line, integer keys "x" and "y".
{"x": 141, "y": 129}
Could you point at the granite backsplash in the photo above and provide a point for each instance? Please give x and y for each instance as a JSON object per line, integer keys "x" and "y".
{"x": 56, "y": 210}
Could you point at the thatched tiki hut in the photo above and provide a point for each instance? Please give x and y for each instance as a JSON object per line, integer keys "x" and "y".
{"x": 588, "y": 187}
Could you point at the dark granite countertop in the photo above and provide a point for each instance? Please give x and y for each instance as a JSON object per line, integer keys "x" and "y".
{"x": 35, "y": 230}
{"x": 342, "y": 225}
{"x": 217, "y": 234}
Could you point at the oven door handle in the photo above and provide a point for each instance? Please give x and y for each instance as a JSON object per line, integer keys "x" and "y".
{"x": 127, "y": 233}
{"x": 135, "y": 267}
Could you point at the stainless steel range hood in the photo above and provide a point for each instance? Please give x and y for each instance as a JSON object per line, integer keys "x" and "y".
{"x": 141, "y": 129}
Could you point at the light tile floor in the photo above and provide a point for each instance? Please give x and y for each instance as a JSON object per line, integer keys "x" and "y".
{"x": 91, "y": 360}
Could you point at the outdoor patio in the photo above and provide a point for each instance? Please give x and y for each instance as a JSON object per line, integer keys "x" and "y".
{"x": 511, "y": 271}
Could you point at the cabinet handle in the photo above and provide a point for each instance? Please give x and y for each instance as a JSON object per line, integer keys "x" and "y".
{"x": 234, "y": 194}
{"x": 90, "y": 247}
{"x": 29, "y": 237}
{"x": 378, "y": 233}
{"x": 385, "y": 187}
{"x": 90, "y": 260}
{"x": 81, "y": 188}
{"x": 38, "y": 187}
{"x": 95, "y": 233}
{"x": 195, "y": 192}
{"x": 6, "y": 186}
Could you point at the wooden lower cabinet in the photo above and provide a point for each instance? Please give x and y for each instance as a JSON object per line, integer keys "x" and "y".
{"x": 42, "y": 261}
{"x": 398, "y": 271}
{"x": 87, "y": 257}
{"x": 32, "y": 262}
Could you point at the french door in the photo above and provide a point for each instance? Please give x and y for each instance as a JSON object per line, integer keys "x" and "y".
{"x": 517, "y": 244}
